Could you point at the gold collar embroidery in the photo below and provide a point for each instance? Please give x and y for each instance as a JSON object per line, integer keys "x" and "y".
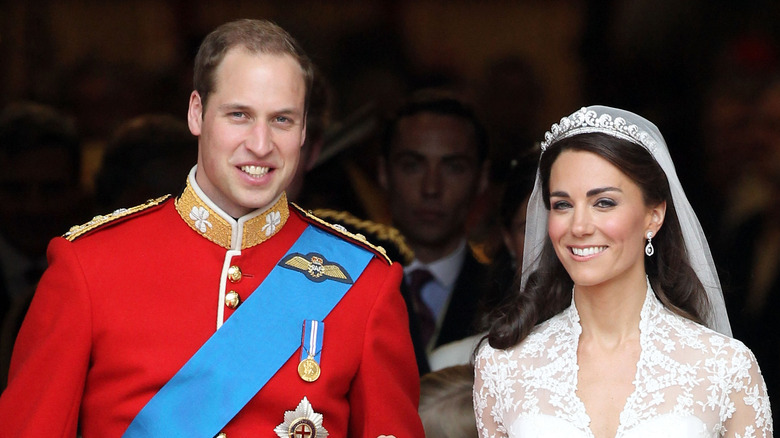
{"x": 247, "y": 232}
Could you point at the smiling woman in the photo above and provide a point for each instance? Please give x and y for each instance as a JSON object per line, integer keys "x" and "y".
{"x": 605, "y": 338}
{"x": 597, "y": 221}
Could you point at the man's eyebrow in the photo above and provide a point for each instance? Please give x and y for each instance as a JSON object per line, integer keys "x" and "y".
{"x": 247, "y": 108}
{"x": 233, "y": 107}
{"x": 294, "y": 111}
{"x": 458, "y": 157}
{"x": 407, "y": 153}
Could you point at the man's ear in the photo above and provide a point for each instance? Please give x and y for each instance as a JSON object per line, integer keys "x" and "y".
{"x": 195, "y": 113}
{"x": 484, "y": 177}
{"x": 382, "y": 173}
{"x": 509, "y": 244}
{"x": 303, "y": 133}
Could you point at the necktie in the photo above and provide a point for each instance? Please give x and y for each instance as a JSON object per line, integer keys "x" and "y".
{"x": 417, "y": 279}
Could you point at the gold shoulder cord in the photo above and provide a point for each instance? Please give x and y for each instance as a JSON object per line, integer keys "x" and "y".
{"x": 341, "y": 230}
{"x": 100, "y": 220}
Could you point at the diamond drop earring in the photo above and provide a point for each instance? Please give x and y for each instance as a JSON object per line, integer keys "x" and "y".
{"x": 649, "y": 250}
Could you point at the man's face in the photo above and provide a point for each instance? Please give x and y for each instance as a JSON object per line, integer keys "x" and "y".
{"x": 251, "y": 130}
{"x": 432, "y": 175}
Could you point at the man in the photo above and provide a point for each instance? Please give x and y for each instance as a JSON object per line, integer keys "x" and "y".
{"x": 226, "y": 311}
{"x": 434, "y": 166}
{"x": 317, "y": 123}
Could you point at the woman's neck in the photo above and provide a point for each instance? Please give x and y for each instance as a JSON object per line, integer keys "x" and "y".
{"x": 609, "y": 313}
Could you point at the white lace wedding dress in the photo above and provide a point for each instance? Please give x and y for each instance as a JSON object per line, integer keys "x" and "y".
{"x": 690, "y": 382}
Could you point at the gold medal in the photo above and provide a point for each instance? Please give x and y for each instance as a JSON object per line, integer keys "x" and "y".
{"x": 309, "y": 369}
{"x": 311, "y": 347}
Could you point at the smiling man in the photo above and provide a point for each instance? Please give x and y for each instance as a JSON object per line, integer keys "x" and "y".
{"x": 226, "y": 311}
{"x": 433, "y": 166}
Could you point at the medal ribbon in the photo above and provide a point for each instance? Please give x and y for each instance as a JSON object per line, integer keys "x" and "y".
{"x": 312, "y": 344}
{"x": 259, "y": 338}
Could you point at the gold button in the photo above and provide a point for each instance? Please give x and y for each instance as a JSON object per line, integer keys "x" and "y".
{"x": 232, "y": 299}
{"x": 234, "y": 274}
{"x": 221, "y": 435}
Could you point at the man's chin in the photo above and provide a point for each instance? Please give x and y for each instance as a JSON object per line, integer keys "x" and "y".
{"x": 429, "y": 239}
{"x": 263, "y": 202}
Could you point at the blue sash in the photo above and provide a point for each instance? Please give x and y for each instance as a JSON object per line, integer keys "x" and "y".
{"x": 258, "y": 339}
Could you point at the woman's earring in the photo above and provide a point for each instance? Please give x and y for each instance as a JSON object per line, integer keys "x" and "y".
{"x": 649, "y": 250}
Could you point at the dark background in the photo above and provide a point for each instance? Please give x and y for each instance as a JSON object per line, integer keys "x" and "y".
{"x": 105, "y": 61}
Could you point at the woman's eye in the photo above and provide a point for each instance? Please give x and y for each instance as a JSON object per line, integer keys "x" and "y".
{"x": 560, "y": 205}
{"x": 605, "y": 203}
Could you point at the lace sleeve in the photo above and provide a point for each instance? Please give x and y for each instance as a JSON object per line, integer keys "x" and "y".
{"x": 487, "y": 394}
{"x": 747, "y": 412}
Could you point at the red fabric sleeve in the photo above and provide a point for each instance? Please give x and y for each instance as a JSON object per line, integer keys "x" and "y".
{"x": 51, "y": 355}
{"x": 386, "y": 390}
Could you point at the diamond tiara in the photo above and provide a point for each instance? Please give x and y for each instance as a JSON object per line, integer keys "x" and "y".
{"x": 587, "y": 121}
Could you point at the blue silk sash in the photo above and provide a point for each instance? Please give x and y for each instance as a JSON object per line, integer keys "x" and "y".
{"x": 258, "y": 339}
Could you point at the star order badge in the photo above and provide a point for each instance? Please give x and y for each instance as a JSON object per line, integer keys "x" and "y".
{"x": 303, "y": 422}
{"x": 315, "y": 267}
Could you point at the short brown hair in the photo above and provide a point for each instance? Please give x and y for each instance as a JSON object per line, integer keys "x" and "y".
{"x": 440, "y": 102}
{"x": 256, "y": 36}
{"x": 446, "y": 407}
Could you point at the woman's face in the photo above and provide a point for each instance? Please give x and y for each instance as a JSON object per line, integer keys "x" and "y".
{"x": 598, "y": 220}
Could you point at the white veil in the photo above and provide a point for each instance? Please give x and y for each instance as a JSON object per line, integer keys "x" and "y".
{"x": 631, "y": 127}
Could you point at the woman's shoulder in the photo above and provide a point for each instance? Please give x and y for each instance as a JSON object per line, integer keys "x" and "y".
{"x": 542, "y": 338}
{"x": 692, "y": 335}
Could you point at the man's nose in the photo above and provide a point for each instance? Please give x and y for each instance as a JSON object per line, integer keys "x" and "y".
{"x": 260, "y": 139}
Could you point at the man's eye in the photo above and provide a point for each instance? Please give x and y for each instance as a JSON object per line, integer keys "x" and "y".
{"x": 408, "y": 165}
{"x": 457, "y": 167}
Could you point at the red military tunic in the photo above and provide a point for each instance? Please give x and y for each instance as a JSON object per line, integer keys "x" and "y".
{"x": 127, "y": 302}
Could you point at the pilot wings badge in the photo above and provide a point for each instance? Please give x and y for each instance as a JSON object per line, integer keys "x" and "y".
{"x": 302, "y": 422}
{"x": 315, "y": 267}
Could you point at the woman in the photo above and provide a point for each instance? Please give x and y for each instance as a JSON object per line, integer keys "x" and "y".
{"x": 609, "y": 334}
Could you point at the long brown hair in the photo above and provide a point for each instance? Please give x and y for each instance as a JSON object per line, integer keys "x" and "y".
{"x": 549, "y": 288}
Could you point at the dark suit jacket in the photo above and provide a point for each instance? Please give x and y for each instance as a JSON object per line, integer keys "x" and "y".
{"x": 461, "y": 314}
{"x": 12, "y": 313}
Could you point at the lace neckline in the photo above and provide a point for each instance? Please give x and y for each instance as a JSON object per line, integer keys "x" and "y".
{"x": 690, "y": 381}
{"x": 650, "y": 308}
